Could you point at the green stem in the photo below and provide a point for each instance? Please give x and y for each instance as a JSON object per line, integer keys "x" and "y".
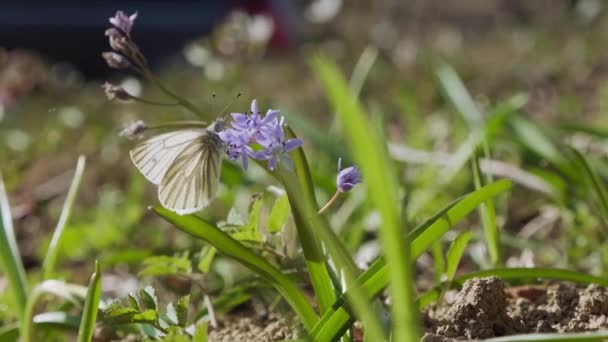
{"x": 51, "y": 255}
{"x": 154, "y": 103}
{"x": 300, "y": 192}
{"x": 27, "y": 324}
{"x": 183, "y": 102}
{"x": 9, "y": 253}
{"x": 331, "y": 201}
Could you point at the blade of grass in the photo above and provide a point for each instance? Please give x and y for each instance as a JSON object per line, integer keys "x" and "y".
{"x": 362, "y": 68}
{"x": 458, "y": 94}
{"x": 91, "y": 306}
{"x": 594, "y": 182}
{"x": 301, "y": 197}
{"x": 455, "y": 252}
{"x": 460, "y": 157}
{"x": 69, "y": 292}
{"x": 518, "y": 274}
{"x": 51, "y": 254}
{"x": 488, "y": 218}
{"x": 333, "y": 323}
{"x": 9, "y": 253}
{"x": 554, "y": 337}
{"x": 57, "y": 320}
{"x": 201, "y": 229}
{"x": 372, "y": 157}
{"x": 534, "y": 139}
{"x": 462, "y": 100}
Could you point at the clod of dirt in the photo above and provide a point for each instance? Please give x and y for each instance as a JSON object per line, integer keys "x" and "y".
{"x": 483, "y": 309}
{"x": 480, "y": 311}
{"x": 252, "y": 329}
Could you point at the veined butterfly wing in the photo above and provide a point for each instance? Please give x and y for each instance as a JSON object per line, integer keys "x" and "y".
{"x": 192, "y": 179}
{"x": 154, "y": 156}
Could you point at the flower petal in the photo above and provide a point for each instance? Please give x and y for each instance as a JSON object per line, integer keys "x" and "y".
{"x": 292, "y": 144}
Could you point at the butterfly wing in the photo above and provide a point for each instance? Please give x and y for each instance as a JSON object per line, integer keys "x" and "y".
{"x": 154, "y": 156}
{"x": 192, "y": 179}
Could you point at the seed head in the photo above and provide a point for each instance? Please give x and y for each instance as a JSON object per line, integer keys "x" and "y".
{"x": 115, "y": 92}
{"x": 115, "y": 60}
{"x": 133, "y": 130}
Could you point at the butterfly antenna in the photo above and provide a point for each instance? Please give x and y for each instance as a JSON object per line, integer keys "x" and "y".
{"x": 223, "y": 114}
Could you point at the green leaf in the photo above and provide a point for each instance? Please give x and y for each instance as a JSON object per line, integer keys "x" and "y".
{"x": 9, "y": 253}
{"x": 148, "y": 298}
{"x": 301, "y": 194}
{"x": 171, "y": 314}
{"x": 201, "y": 229}
{"x": 51, "y": 255}
{"x": 181, "y": 309}
{"x": 91, "y": 305}
{"x": 56, "y": 320}
{"x": 382, "y": 185}
{"x": 425, "y": 240}
{"x": 70, "y": 292}
{"x": 118, "y": 315}
{"x": 333, "y": 323}
{"x": 165, "y": 265}
{"x": 206, "y": 259}
{"x": 253, "y": 221}
{"x": 458, "y": 94}
{"x": 249, "y": 236}
{"x": 133, "y": 302}
{"x": 593, "y": 182}
{"x": 488, "y": 218}
{"x": 200, "y": 332}
{"x": 534, "y": 138}
{"x": 278, "y": 214}
{"x": 455, "y": 252}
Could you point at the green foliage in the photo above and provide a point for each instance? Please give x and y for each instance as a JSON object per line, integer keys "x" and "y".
{"x": 227, "y": 245}
{"x": 53, "y": 250}
{"x": 165, "y": 265}
{"x": 382, "y": 186}
{"x": 278, "y": 215}
{"x": 91, "y": 306}
{"x": 9, "y": 253}
{"x": 455, "y": 252}
{"x": 333, "y": 323}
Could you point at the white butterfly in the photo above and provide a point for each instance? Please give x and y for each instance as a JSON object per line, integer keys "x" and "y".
{"x": 185, "y": 164}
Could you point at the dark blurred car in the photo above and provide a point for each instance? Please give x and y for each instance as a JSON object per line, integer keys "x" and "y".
{"x": 73, "y": 30}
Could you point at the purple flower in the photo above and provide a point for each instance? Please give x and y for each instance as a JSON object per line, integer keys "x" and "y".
{"x": 123, "y": 22}
{"x": 276, "y": 147}
{"x": 266, "y": 131}
{"x": 253, "y": 125}
{"x": 236, "y": 145}
{"x": 348, "y": 177}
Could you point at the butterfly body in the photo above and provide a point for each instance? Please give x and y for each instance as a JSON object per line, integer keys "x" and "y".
{"x": 185, "y": 164}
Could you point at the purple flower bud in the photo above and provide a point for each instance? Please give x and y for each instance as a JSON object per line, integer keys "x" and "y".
{"x": 123, "y": 22}
{"x": 116, "y": 60}
{"x": 348, "y": 177}
{"x": 115, "y": 92}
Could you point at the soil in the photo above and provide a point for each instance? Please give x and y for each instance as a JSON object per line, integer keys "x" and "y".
{"x": 254, "y": 329}
{"x": 484, "y": 308}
